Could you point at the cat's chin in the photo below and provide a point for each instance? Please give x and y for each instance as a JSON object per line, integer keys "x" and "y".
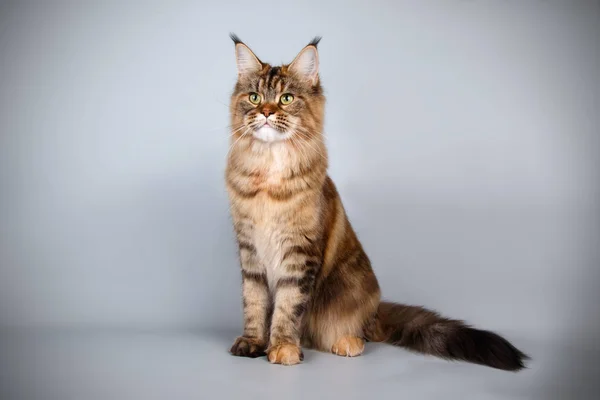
{"x": 268, "y": 134}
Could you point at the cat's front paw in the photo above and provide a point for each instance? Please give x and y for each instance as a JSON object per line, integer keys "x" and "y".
{"x": 247, "y": 347}
{"x": 285, "y": 354}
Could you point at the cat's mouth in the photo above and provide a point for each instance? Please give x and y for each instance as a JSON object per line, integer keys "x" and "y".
{"x": 269, "y": 134}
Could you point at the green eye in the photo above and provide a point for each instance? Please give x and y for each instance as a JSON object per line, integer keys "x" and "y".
{"x": 286, "y": 98}
{"x": 254, "y": 98}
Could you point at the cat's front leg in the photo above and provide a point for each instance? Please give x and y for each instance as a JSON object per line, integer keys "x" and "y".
{"x": 292, "y": 295}
{"x": 256, "y": 300}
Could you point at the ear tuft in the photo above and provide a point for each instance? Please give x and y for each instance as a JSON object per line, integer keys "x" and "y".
{"x": 246, "y": 61}
{"x": 315, "y": 41}
{"x": 235, "y": 38}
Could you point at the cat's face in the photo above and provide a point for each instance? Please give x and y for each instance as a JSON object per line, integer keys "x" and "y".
{"x": 277, "y": 103}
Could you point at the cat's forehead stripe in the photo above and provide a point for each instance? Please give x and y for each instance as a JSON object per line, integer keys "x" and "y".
{"x": 270, "y": 77}
{"x": 270, "y": 81}
{"x": 272, "y": 72}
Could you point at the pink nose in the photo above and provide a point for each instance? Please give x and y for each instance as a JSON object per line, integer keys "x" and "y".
{"x": 268, "y": 109}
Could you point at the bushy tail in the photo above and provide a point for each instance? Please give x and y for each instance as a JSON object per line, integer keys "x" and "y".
{"x": 425, "y": 331}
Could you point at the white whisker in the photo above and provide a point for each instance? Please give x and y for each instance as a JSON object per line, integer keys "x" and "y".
{"x": 305, "y": 138}
{"x": 236, "y": 130}
{"x": 238, "y": 139}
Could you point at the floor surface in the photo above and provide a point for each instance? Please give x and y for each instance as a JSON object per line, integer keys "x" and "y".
{"x": 196, "y": 365}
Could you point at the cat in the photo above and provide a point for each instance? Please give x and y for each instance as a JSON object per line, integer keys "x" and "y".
{"x": 306, "y": 280}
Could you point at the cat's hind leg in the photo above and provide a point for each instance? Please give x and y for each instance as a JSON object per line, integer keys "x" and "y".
{"x": 349, "y": 346}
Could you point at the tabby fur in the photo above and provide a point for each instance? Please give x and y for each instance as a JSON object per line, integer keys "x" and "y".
{"x": 306, "y": 279}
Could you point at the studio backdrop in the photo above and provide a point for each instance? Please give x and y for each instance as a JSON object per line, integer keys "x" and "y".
{"x": 463, "y": 138}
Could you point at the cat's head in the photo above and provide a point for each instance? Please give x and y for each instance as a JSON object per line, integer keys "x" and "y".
{"x": 277, "y": 103}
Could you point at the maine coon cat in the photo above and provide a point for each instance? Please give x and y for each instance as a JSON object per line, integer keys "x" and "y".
{"x": 306, "y": 280}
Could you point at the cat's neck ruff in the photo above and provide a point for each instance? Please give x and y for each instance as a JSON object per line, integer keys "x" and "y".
{"x": 273, "y": 157}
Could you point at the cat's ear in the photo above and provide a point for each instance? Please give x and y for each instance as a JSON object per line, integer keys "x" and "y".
{"x": 246, "y": 61}
{"x": 306, "y": 63}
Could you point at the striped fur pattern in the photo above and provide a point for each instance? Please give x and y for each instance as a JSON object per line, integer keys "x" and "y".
{"x": 306, "y": 280}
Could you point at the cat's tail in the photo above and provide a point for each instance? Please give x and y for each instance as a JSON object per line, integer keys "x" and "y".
{"x": 425, "y": 331}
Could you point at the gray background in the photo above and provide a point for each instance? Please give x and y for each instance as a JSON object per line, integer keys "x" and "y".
{"x": 463, "y": 137}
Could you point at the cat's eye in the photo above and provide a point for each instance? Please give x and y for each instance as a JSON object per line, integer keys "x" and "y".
{"x": 286, "y": 98}
{"x": 254, "y": 98}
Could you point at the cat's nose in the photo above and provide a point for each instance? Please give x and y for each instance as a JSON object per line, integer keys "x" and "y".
{"x": 268, "y": 110}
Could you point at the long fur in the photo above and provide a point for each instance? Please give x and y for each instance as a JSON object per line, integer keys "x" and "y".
{"x": 306, "y": 280}
{"x": 425, "y": 331}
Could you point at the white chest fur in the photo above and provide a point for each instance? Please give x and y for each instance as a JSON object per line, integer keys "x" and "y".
{"x": 279, "y": 162}
{"x": 268, "y": 242}
{"x": 268, "y": 216}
